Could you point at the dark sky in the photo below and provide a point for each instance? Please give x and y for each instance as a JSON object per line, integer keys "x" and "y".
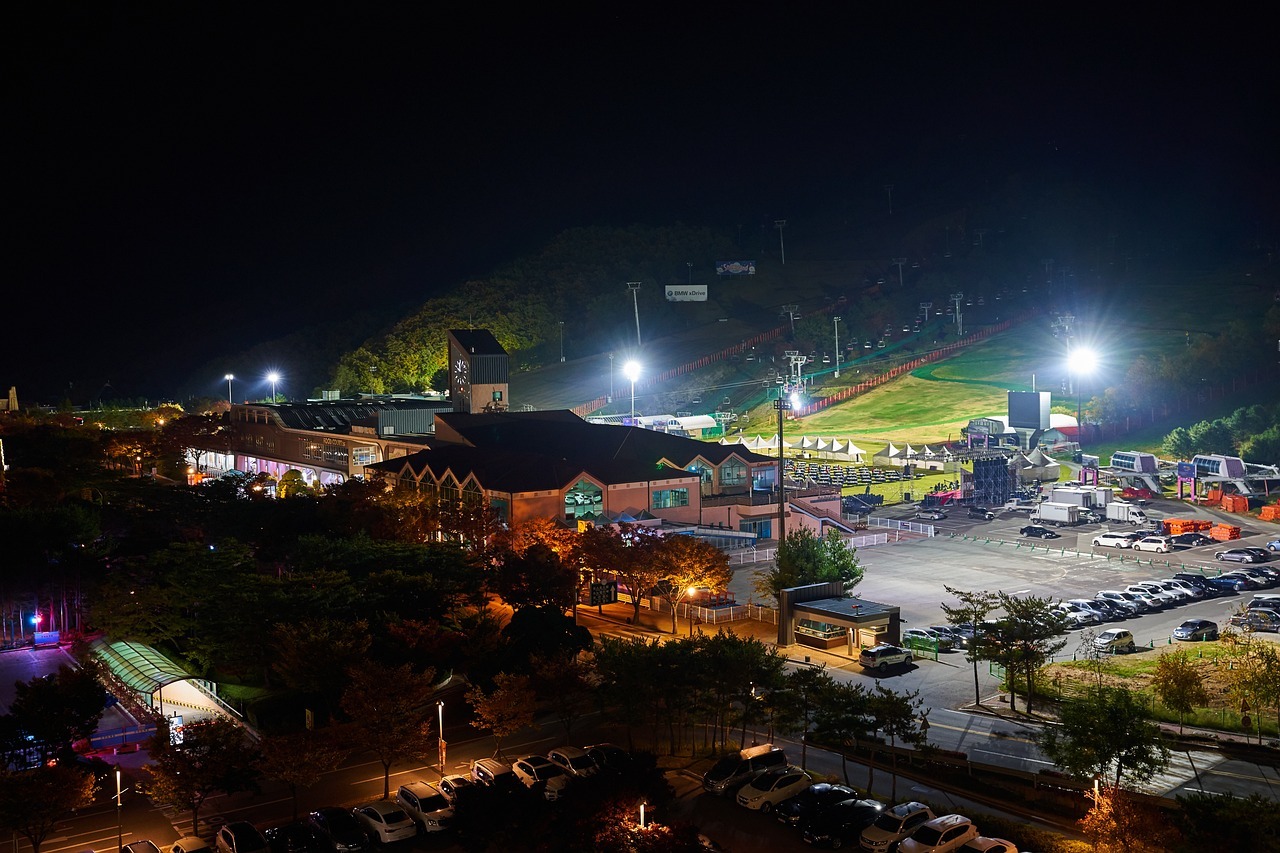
{"x": 189, "y": 179}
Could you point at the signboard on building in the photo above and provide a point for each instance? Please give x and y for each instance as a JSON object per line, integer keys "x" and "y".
{"x": 735, "y": 267}
{"x": 686, "y": 293}
{"x": 1186, "y": 471}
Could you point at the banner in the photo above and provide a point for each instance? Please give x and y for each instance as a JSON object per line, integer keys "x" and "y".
{"x": 686, "y": 293}
{"x": 735, "y": 267}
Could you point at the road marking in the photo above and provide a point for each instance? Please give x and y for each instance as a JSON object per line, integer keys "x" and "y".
{"x": 1017, "y": 757}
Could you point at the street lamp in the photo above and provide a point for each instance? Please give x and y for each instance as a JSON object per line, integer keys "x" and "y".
{"x": 562, "y": 341}
{"x": 632, "y": 371}
{"x": 610, "y": 377}
{"x": 440, "y": 732}
{"x": 228, "y": 377}
{"x": 273, "y": 378}
{"x": 1082, "y": 361}
{"x": 119, "y": 825}
{"x": 835, "y": 321}
{"x": 783, "y": 405}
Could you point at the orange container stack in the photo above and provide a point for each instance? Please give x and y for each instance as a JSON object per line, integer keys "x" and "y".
{"x": 1176, "y": 526}
{"x": 1211, "y": 497}
{"x": 1270, "y": 512}
{"x": 1224, "y": 532}
{"x": 1235, "y": 503}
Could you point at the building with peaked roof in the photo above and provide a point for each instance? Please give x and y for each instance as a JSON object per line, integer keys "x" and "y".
{"x": 553, "y": 464}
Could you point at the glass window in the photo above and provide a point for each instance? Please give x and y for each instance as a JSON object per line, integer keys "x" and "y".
{"x": 668, "y": 498}
{"x": 449, "y": 492}
{"x": 733, "y": 473}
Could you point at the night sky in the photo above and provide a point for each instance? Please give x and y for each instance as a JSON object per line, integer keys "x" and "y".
{"x": 192, "y": 179}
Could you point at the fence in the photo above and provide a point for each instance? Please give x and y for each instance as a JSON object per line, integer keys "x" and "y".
{"x": 707, "y": 615}
{"x": 752, "y": 555}
{"x": 900, "y": 526}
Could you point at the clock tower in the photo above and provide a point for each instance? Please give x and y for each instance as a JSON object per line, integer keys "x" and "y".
{"x": 478, "y": 370}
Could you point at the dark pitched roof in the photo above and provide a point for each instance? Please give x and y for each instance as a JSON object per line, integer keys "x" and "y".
{"x": 478, "y": 341}
{"x": 338, "y": 415}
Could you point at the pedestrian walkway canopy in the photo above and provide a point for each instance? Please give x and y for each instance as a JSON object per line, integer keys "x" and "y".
{"x": 138, "y": 665}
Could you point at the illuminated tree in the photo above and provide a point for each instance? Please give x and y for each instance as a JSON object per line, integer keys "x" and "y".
{"x": 686, "y": 564}
{"x": 215, "y": 756}
{"x": 33, "y": 802}
{"x": 504, "y": 710}
{"x": 390, "y": 709}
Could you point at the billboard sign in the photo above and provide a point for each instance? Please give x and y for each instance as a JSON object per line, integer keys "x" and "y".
{"x": 735, "y": 267}
{"x": 1186, "y": 471}
{"x": 686, "y": 293}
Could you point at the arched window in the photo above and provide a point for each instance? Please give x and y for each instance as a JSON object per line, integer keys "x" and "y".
{"x": 472, "y": 494}
{"x": 449, "y": 492}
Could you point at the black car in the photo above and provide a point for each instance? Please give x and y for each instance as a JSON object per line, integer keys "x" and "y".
{"x": 980, "y": 512}
{"x": 1199, "y": 581}
{"x": 339, "y": 831}
{"x": 1262, "y": 554}
{"x": 297, "y": 837}
{"x": 842, "y": 823}
{"x": 811, "y": 802}
{"x": 1193, "y": 540}
{"x": 610, "y": 758}
{"x": 1037, "y": 532}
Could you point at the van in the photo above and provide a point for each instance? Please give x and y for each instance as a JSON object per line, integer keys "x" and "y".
{"x": 733, "y": 771}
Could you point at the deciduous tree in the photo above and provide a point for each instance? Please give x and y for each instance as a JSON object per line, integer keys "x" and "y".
{"x": 504, "y": 710}
{"x": 33, "y": 802}
{"x": 972, "y": 610}
{"x": 215, "y": 756}
{"x": 1179, "y": 684}
{"x": 391, "y": 712}
{"x": 685, "y": 564}
{"x": 1107, "y": 735}
{"x": 299, "y": 759}
{"x": 59, "y": 709}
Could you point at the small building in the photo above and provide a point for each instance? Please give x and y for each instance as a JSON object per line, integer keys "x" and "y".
{"x": 823, "y": 616}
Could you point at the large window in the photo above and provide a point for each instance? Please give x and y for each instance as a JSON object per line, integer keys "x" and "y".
{"x": 703, "y": 472}
{"x": 407, "y": 480}
{"x": 763, "y": 529}
{"x": 669, "y": 498}
{"x": 472, "y": 495}
{"x": 733, "y": 473}
{"x": 450, "y": 495}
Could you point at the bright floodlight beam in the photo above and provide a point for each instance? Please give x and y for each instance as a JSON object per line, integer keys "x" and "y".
{"x": 1082, "y": 361}
{"x": 273, "y": 378}
{"x": 632, "y": 371}
{"x": 229, "y": 377}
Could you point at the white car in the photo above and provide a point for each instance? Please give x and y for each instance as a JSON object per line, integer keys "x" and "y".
{"x": 983, "y": 844}
{"x": 537, "y": 773}
{"x": 1157, "y": 544}
{"x": 385, "y": 821}
{"x": 772, "y": 787}
{"x": 1155, "y": 598}
{"x": 574, "y": 761}
{"x": 941, "y": 835}
{"x": 189, "y": 844}
{"x": 454, "y": 786}
{"x": 1114, "y": 539}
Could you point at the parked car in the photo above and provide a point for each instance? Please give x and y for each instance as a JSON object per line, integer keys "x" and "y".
{"x": 191, "y": 844}
{"x": 1188, "y": 587}
{"x": 1193, "y": 539}
{"x": 1119, "y": 608}
{"x": 539, "y": 774}
{"x": 1262, "y": 554}
{"x": 958, "y": 637}
{"x": 238, "y": 836}
{"x": 1159, "y": 595}
{"x": 1229, "y": 584}
{"x": 143, "y": 846}
{"x": 1256, "y": 620}
{"x": 1115, "y": 641}
{"x": 1114, "y": 539}
{"x": 495, "y": 774}
{"x": 895, "y": 824}
{"x": 610, "y": 758}
{"x": 843, "y": 823}
{"x": 1247, "y": 581}
{"x": 1089, "y": 604}
{"x": 1075, "y": 616}
{"x": 1156, "y": 544}
{"x": 735, "y": 770}
{"x": 980, "y": 512}
{"x": 385, "y": 821}
{"x": 931, "y": 514}
{"x": 926, "y": 638}
{"x": 1196, "y": 629}
{"x": 1273, "y": 545}
{"x": 883, "y": 656}
{"x": 810, "y": 802}
{"x": 1180, "y": 595}
{"x": 772, "y": 787}
{"x": 425, "y": 806}
{"x": 1235, "y": 555}
{"x": 339, "y": 831}
{"x": 1140, "y": 604}
{"x": 1198, "y": 580}
{"x": 940, "y": 835}
{"x": 297, "y": 837}
{"x": 574, "y": 761}
{"x": 1035, "y": 531}
{"x": 456, "y": 785}
{"x": 983, "y": 844}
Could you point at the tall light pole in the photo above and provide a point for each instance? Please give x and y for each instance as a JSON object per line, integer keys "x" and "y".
{"x": 1081, "y": 361}
{"x": 889, "y": 189}
{"x": 632, "y": 371}
{"x": 634, "y": 287}
{"x": 228, "y": 377}
{"x": 273, "y": 378}
{"x": 898, "y": 262}
{"x": 562, "y": 341}
{"x": 835, "y": 321}
{"x": 957, "y": 298}
{"x": 783, "y": 404}
{"x": 119, "y": 824}
{"x": 440, "y": 733}
{"x": 610, "y": 377}
{"x": 782, "y": 245}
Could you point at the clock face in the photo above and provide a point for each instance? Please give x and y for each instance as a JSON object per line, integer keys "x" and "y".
{"x": 460, "y": 374}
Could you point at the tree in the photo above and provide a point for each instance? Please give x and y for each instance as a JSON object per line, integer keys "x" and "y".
{"x": 569, "y": 683}
{"x": 972, "y": 611}
{"x": 804, "y": 558}
{"x": 898, "y": 716}
{"x": 1107, "y": 735}
{"x": 506, "y": 709}
{"x": 625, "y": 551}
{"x": 314, "y": 656}
{"x": 299, "y": 759}
{"x": 1178, "y": 683}
{"x": 59, "y": 709}
{"x": 803, "y": 693}
{"x": 1024, "y": 640}
{"x": 1255, "y": 677}
{"x": 685, "y": 564}
{"x": 536, "y": 577}
{"x": 33, "y": 802}
{"x": 214, "y": 756}
{"x": 844, "y": 716}
{"x": 1178, "y": 444}
{"x": 390, "y": 710}
{"x": 1117, "y": 822}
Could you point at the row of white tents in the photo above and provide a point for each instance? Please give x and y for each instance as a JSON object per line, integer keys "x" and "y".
{"x": 834, "y": 447}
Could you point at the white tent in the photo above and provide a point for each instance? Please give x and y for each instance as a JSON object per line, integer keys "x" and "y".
{"x": 893, "y": 451}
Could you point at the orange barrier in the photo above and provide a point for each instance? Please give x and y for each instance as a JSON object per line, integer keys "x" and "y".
{"x": 1175, "y": 526}
{"x": 1235, "y": 503}
{"x": 1224, "y": 532}
{"x": 1270, "y": 512}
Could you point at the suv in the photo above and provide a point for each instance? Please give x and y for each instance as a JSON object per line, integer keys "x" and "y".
{"x": 426, "y": 806}
{"x": 883, "y": 656}
{"x": 895, "y": 824}
{"x": 1158, "y": 544}
{"x": 980, "y": 512}
{"x": 338, "y": 830}
{"x": 940, "y": 835}
{"x": 1113, "y": 539}
{"x": 240, "y": 836}
{"x": 573, "y": 761}
{"x": 493, "y": 773}
{"x": 733, "y": 771}
{"x": 537, "y": 773}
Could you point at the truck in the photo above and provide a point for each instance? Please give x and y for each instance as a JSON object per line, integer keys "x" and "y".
{"x": 1056, "y": 514}
{"x": 1125, "y": 513}
{"x": 1015, "y": 505}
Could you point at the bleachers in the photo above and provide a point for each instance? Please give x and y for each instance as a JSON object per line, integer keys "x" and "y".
{"x": 810, "y": 471}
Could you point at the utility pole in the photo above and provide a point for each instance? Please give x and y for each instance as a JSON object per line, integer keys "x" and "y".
{"x": 889, "y": 189}
{"x": 835, "y": 321}
{"x": 782, "y": 245}
{"x": 562, "y": 341}
{"x": 925, "y": 307}
{"x": 783, "y": 405}
{"x": 898, "y": 262}
{"x": 957, "y": 298}
{"x": 635, "y": 300}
